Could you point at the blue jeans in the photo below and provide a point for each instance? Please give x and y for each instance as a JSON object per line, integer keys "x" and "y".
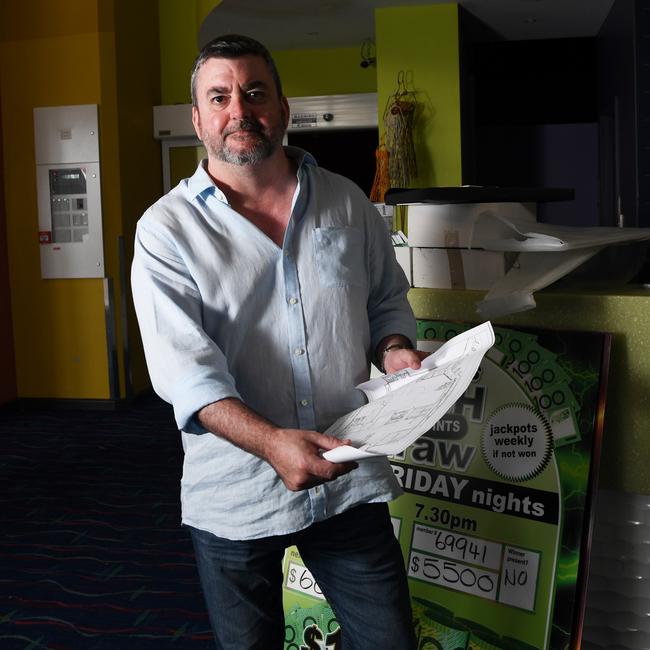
{"x": 355, "y": 559}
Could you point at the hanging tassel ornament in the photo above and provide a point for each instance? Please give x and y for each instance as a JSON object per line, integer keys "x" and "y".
{"x": 381, "y": 184}
{"x": 399, "y": 121}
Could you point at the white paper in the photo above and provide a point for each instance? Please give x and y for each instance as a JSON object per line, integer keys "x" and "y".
{"x": 533, "y": 271}
{"x": 497, "y": 233}
{"x": 406, "y": 404}
{"x": 546, "y": 253}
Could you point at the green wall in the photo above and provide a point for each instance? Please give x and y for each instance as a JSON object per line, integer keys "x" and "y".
{"x": 626, "y": 314}
{"x": 331, "y": 71}
{"x": 422, "y": 41}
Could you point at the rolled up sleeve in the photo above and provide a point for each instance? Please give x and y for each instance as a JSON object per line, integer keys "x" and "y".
{"x": 186, "y": 367}
{"x": 389, "y": 311}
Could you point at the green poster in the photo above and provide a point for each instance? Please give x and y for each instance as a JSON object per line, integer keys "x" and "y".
{"x": 496, "y": 512}
{"x": 310, "y": 623}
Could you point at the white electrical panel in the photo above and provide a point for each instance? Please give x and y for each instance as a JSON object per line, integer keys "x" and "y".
{"x": 69, "y": 193}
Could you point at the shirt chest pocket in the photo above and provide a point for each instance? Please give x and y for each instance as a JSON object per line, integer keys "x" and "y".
{"x": 339, "y": 256}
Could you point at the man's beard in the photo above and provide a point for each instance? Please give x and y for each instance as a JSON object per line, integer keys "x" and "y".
{"x": 260, "y": 149}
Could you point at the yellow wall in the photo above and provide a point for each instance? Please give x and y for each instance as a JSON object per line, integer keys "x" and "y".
{"x": 106, "y": 52}
{"x": 137, "y": 72}
{"x": 59, "y": 331}
{"x": 179, "y": 22}
{"x": 422, "y": 41}
{"x": 54, "y": 54}
{"x": 7, "y": 360}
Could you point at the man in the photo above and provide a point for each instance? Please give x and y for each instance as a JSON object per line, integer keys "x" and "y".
{"x": 264, "y": 287}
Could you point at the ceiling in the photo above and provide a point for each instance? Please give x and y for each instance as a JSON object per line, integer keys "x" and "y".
{"x": 304, "y": 24}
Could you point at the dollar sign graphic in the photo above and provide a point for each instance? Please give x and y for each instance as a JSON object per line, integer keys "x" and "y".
{"x": 333, "y": 640}
{"x": 415, "y": 564}
{"x": 292, "y": 575}
{"x": 311, "y": 637}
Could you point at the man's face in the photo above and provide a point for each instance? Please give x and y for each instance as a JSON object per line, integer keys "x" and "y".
{"x": 238, "y": 116}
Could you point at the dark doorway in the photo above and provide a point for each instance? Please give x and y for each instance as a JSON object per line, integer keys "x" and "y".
{"x": 349, "y": 152}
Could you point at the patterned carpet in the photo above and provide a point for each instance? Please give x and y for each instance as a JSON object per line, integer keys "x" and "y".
{"x": 92, "y": 554}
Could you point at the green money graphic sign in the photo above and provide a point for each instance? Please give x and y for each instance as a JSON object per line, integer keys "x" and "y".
{"x": 494, "y": 519}
{"x": 310, "y": 623}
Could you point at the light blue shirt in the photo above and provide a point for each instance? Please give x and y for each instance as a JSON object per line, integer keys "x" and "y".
{"x": 225, "y": 312}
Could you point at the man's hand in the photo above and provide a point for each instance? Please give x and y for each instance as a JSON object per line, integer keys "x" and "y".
{"x": 395, "y": 352}
{"x": 398, "y": 359}
{"x": 296, "y": 457}
{"x": 293, "y": 453}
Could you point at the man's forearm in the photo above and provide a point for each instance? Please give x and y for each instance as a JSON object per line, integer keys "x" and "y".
{"x": 233, "y": 420}
{"x": 293, "y": 453}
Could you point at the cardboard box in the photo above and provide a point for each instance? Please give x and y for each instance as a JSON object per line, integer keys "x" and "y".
{"x": 456, "y": 268}
{"x": 452, "y": 225}
{"x": 403, "y": 255}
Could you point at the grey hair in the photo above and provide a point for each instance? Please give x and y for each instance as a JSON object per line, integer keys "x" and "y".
{"x": 233, "y": 46}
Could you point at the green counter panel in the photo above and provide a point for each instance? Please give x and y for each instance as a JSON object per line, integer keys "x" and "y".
{"x": 625, "y": 462}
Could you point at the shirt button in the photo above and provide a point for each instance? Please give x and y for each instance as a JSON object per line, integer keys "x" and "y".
{"x": 299, "y": 351}
{"x": 293, "y": 301}
{"x": 317, "y": 489}
{"x": 304, "y": 402}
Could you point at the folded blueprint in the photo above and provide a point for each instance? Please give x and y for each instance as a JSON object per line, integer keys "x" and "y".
{"x": 404, "y": 405}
